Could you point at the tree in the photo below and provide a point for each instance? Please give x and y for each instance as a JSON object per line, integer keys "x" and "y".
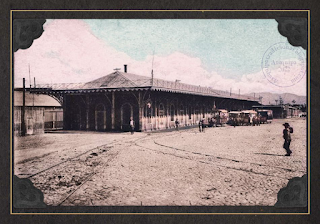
{"x": 280, "y": 100}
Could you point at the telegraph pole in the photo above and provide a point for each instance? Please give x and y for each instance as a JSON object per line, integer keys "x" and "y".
{"x": 152, "y": 69}
{"x": 23, "y": 124}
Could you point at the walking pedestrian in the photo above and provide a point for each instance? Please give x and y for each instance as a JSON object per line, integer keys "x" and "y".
{"x": 287, "y": 138}
{"x": 203, "y": 125}
{"x": 131, "y": 125}
{"x": 200, "y": 125}
{"x": 177, "y": 124}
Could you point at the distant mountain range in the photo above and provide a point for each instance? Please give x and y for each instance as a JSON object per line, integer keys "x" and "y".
{"x": 270, "y": 98}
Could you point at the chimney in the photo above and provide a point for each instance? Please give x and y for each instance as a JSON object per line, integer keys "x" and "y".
{"x": 125, "y": 68}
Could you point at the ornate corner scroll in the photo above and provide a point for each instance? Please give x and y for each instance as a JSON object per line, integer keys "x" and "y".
{"x": 25, "y": 195}
{"x": 295, "y": 194}
{"x": 295, "y": 30}
{"x": 25, "y": 31}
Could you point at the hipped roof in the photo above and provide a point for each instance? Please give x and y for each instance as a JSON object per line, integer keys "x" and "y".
{"x": 128, "y": 81}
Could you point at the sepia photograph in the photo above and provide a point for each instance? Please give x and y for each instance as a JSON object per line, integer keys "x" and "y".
{"x": 160, "y": 112}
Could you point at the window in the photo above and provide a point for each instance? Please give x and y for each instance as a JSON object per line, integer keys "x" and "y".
{"x": 148, "y": 110}
{"x": 190, "y": 112}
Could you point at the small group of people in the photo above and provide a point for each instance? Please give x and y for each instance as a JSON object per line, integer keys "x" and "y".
{"x": 201, "y": 125}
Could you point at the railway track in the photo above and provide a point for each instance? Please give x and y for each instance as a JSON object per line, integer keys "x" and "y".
{"x": 43, "y": 178}
{"x": 233, "y": 160}
{"x": 104, "y": 158}
{"x": 72, "y": 158}
{"x": 203, "y": 158}
{"x": 95, "y": 171}
{"x": 104, "y": 163}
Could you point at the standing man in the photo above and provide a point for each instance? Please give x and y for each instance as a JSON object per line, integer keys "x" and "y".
{"x": 287, "y": 138}
{"x": 177, "y": 124}
{"x": 203, "y": 125}
{"x": 233, "y": 121}
{"x": 200, "y": 125}
{"x": 131, "y": 125}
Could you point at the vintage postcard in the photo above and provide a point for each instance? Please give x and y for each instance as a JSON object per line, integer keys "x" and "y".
{"x": 160, "y": 112}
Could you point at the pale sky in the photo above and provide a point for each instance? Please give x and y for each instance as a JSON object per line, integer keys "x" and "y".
{"x": 222, "y": 54}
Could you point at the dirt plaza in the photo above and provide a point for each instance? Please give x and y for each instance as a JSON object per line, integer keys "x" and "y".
{"x": 243, "y": 165}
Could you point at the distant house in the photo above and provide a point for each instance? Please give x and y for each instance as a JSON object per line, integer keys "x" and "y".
{"x": 42, "y": 113}
{"x": 279, "y": 111}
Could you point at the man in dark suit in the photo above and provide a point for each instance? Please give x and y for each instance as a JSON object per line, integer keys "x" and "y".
{"x": 287, "y": 138}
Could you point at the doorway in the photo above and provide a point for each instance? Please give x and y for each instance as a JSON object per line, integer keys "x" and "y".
{"x": 100, "y": 118}
{"x": 126, "y": 114}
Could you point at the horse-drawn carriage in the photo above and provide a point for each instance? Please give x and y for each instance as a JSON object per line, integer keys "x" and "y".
{"x": 251, "y": 117}
{"x": 266, "y": 116}
{"x": 218, "y": 117}
{"x": 235, "y": 118}
{"x": 245, "y": 117}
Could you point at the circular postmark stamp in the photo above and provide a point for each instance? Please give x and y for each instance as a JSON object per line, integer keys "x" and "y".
{"x": 283, "y": 64}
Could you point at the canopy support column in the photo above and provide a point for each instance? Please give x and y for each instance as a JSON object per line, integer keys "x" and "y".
{"x": 113, "y": 112}
{"x": 140, "y": 111}
{"x": 87, "y": 112}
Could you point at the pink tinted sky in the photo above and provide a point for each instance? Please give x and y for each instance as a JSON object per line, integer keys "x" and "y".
{"x": 69, "y": 52}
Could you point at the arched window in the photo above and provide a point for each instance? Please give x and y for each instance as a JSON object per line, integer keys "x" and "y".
{"x": 172, "y": 112}
{"x": 161, "y": 110}
{"x": 148, "y": 110}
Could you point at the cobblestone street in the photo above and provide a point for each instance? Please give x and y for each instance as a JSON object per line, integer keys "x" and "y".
{"x": 244, "y": 165}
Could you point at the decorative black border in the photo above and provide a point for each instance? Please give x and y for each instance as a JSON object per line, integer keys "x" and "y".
{"x": 17, "y": 21}
{"x": 4, "y": 113}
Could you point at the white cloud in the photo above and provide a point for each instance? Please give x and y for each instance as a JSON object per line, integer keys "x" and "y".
{"x": 68, "y": 52}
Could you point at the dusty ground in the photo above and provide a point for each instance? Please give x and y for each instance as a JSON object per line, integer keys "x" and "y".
{"x": 223, "y": 166}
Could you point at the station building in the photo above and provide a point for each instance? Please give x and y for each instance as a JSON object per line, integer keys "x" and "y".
{"x": 109, "y": 102}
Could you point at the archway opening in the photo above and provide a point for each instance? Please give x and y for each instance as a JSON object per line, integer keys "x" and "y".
{"x": 75, "y": 123}
{"x": 126, "y": 114}
{"x": 100, "y": 117}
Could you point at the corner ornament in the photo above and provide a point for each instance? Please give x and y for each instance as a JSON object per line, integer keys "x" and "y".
{"x": 295, "y": 194}
{"x": 25, "y": 195}
{"x": 295, "y": 30}
{"x": 25, "y": 31}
